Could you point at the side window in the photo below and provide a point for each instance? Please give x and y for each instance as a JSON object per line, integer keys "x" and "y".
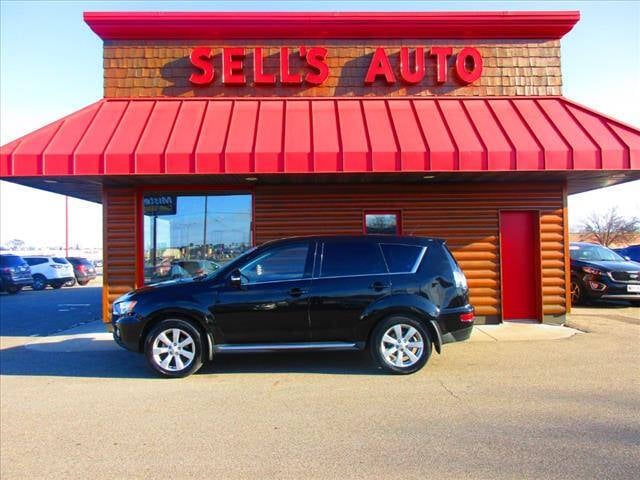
{"x": 36, "y": 261}
{"x": 286, "y": 263}
{"x": 347, "y": 258}
{"x": 401, "y": 258}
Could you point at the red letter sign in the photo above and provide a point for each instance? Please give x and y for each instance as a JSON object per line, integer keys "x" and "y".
{"x": 379, "y": 66}
{"x": 315, "y": 59}
{"x": 417, "y": 74}
{"x": 259, "y": 77}
{"x": 285, "y": 77}
{"x": 441, "y": 69}
{"x": 200, "y": 58}
{"x": 232, "y": 73}
{"x": 472, "y": 75}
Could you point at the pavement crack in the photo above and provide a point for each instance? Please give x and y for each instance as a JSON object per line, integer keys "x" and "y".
{"x": 449, "y": 390}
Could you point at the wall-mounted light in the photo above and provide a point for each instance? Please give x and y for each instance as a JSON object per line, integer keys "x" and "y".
{"x": 251, "y": 179}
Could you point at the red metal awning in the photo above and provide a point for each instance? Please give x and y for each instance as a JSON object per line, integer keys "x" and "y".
{"x": 337, "y": 135}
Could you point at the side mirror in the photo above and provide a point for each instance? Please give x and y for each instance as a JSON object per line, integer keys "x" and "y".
{"x": 235, "y": 279}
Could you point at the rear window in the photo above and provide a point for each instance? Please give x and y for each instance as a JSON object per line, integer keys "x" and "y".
{"x": 60, "y": 260}
{"x": 11, "y": 261}
{"x": 341, "y": 259}
{"x": 36, "y": 261}
{"x": 401, "y": 258}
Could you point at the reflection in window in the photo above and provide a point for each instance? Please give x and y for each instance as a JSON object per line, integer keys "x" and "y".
{"x": 381, "y": 223}
{"x": 286, "y": 263}
{"x": 193, "y": 235}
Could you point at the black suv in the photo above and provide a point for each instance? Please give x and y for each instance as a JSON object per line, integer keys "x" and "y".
{"x": 14, "y": 274}
{"x": 397, "y": 296}
{"x": 598, "y": 273}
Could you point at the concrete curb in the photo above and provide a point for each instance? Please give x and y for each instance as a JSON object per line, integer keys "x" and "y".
{"x": 521, "y": 332}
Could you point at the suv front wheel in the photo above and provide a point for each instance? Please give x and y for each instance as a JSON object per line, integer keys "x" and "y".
{"x": 174, "y": 348}
{"x": 400, "y": 344}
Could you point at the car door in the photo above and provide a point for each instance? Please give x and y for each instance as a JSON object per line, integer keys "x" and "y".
{"x": 271, "y": 304}
{"x": 351, "y": 275}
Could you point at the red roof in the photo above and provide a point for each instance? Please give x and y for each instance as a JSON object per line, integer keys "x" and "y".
{"x": 323, "y": 25}
{"x": 332, "y": 135}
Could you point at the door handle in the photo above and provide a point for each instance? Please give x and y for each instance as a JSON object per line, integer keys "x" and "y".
{"x": 377, "y": 286}
{"x": 296, "y": 292}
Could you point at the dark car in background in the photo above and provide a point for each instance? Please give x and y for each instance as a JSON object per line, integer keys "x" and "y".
{"x": 632, "y": 252}
{"x": 15, "y": 274}
{"x": 83, "y": 270}
{"x": 599, "y": 273}
{"x": 395, "y": 296}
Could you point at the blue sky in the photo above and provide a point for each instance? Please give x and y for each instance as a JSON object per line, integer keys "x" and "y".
{"x": 51, "y": 65}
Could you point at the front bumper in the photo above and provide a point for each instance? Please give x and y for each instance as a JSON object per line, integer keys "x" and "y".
{"x": 602, "y": 287}
{"x": 127, "y": 331}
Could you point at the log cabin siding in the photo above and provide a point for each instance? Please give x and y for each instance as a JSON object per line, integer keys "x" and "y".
{"x": 119, "y": 207}
{"x": 465, "y": 215}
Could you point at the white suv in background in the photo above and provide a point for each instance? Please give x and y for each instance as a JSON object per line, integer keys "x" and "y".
{"x": 54, "y": 271}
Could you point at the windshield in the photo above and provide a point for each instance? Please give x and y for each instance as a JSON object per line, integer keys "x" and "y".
{"x": 594, "y": 253}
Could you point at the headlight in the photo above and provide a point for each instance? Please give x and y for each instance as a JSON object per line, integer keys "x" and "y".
{"x": 591, "y": 270}
{"x": 123, "y": 308}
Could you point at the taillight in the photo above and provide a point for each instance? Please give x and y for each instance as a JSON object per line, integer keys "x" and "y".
{"x": 467, "y": 317}
{"x": 82, "y": 268}
{"x": 7, "y": 270}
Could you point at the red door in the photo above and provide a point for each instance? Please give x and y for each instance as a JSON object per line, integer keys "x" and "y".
{"x": 519, "y": 259}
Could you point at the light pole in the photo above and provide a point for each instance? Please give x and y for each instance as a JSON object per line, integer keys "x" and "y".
{"x": 66, "y": 226}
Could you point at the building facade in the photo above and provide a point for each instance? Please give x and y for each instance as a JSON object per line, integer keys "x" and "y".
{"x": 218, "y": 131}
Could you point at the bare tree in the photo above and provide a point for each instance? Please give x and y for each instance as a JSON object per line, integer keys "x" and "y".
{"x": 610, "y": 227}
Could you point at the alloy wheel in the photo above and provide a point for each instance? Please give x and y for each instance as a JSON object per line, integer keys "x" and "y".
{"x": 402, "y": 345}
{"x": 174, "y": 349}
{"x": 575, "y": 293}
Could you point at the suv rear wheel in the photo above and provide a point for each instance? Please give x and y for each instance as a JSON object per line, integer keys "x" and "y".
{"x": 39, "y": 282}
{"x": 400, "y": 344}
{"x": 174, "y": 348}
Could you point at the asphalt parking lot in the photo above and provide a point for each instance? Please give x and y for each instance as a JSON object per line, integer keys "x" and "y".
{"x": 78, "y": 406}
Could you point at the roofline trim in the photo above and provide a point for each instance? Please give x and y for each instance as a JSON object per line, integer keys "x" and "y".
{"x": 331, "y": 25}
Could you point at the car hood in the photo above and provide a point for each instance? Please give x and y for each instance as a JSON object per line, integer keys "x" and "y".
{"x": 155, "y": 287}
{"x": 625, "y": 266}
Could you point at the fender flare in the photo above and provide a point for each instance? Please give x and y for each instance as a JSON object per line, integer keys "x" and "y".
{"x": 437, "y": 341}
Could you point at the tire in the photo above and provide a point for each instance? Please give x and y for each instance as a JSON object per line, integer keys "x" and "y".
{"x": 13, "y": 290}
{"x": 416, "y": 342}
{"x": 577, "y": 292}
{"x": 39, "y": 282}
{"x": 82, "y": 283}
{"x": 70, "y": 283}
{"x": 166, "y": 364}
{"x": 57, "y": 285}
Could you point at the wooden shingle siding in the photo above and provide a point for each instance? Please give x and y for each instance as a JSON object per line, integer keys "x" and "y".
{"x": 465, "y": 215}
{"x": 119, "y": 251}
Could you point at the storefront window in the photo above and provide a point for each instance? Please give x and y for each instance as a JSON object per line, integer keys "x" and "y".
{"x": 191, "y": 235}
{"x": 382, "y": 223}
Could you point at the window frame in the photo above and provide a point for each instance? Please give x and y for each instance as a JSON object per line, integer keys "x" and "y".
{"x": 396, "y": 213}
{"x": 205, "y": 190}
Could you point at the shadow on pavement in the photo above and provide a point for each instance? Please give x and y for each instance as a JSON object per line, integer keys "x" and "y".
{"x": 87, "y": 357}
